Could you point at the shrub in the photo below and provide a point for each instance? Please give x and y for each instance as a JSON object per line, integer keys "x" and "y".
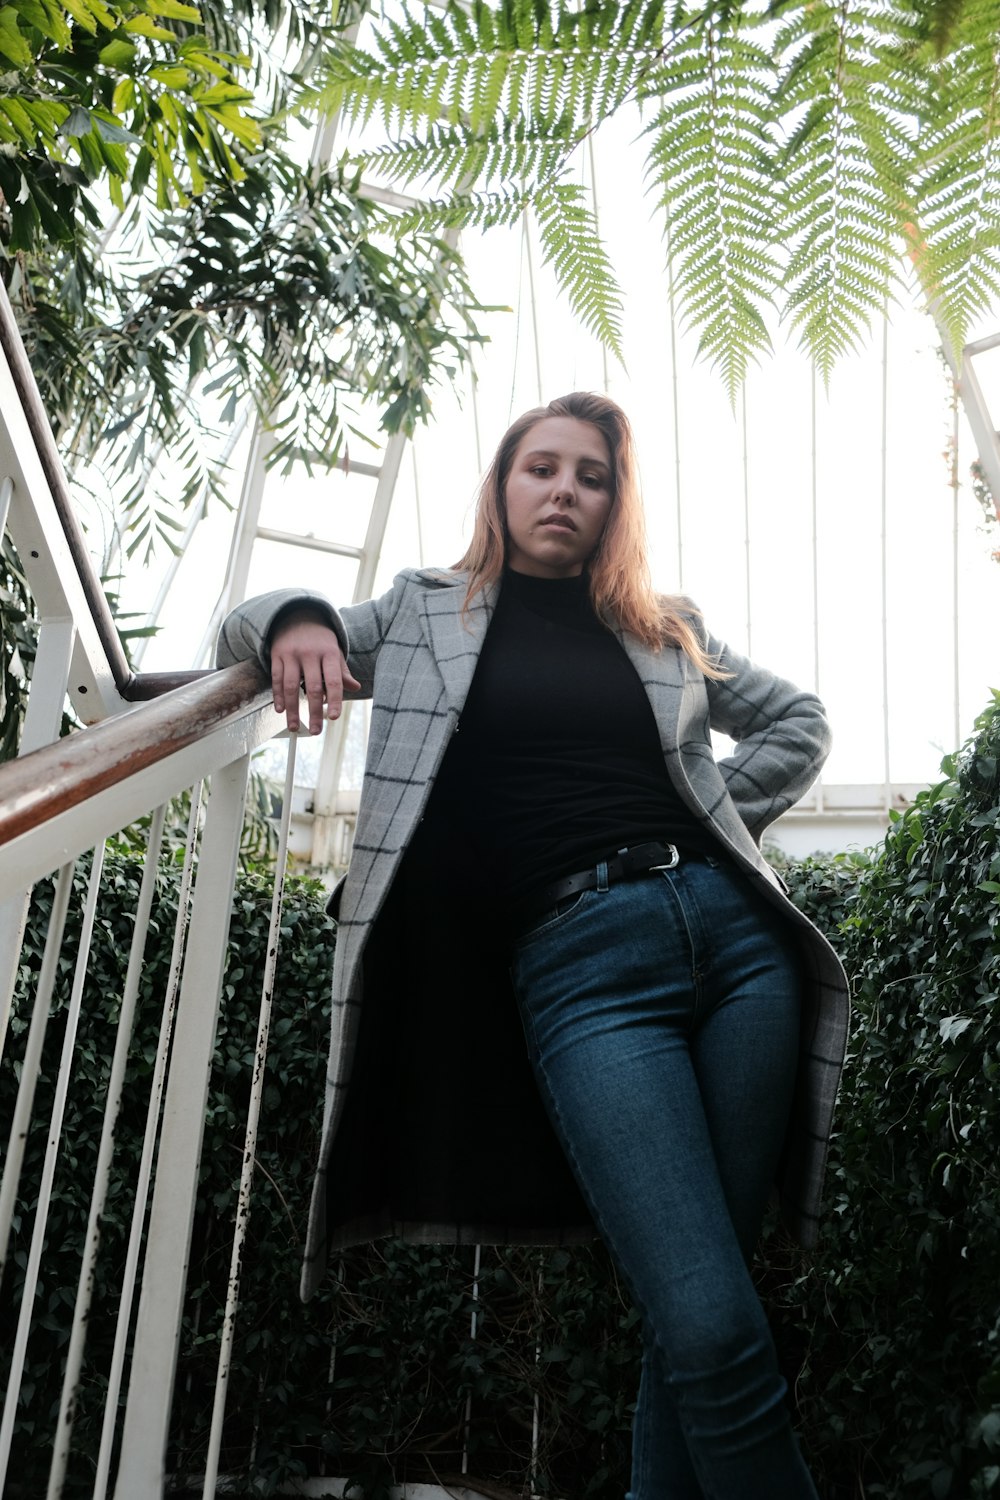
{"x": 899, "y": 1311}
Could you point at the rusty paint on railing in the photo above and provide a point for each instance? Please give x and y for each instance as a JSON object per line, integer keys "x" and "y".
{"x": 64, "y": 775}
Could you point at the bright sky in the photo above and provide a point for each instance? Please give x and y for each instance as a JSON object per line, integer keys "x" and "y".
{"x": 741, "y": 541}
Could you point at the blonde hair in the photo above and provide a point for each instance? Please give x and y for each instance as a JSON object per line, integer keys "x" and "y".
{"x": 618, "y": 570}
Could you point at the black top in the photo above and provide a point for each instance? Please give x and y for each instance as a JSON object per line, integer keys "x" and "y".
{"x": 557, "y": 761}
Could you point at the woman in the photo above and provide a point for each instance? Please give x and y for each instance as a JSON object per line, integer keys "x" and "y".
{"x": 575, "y": 855}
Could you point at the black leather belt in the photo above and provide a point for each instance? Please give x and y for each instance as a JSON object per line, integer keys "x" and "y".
{"x": 639, "y": 859}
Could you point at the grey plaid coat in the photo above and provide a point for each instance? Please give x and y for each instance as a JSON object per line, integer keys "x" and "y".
{"x": 415, "y": 656}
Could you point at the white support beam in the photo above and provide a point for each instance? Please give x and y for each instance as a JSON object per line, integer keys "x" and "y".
{"x": 970, "y": 393}
{"x": 37, "y": 533}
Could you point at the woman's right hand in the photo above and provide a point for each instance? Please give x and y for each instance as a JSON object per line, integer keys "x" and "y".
{"x": 305, "y": 653}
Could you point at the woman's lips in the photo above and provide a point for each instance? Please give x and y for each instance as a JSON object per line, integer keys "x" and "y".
{"x": 562, "y": 522}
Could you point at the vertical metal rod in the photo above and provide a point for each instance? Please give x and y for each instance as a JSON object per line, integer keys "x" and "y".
{"x": 884, "y": 574}
{"x": 814, "y": 539}
{"x": 250, "y": 1140}
{"x": 592, "y": 163}
{"x": 536, "y": 1405}
{"x": 102, "y": 1173}
{"x": 332, "y": 1366}
{"x": 32, "y": 1061}
{"x": 956, "y": 656}
{"x": 474, "y": 389}
{"x": 161, "y": 1300}
{"x": 133, "y": 1252}
{"x": 13, "y": 920}
{"x": 416, "y": 504}
{"x": 676, "y": 408}
{"x": 814, "y": 522}
{"x": 746, "y": 522}
{"x": 473, "y": 1334}
{"x": 530, "y": 263}
{"x": 49, "y": 1164}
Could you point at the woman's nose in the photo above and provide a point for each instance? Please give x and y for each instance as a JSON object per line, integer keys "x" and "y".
{"x": 565, "y": 488}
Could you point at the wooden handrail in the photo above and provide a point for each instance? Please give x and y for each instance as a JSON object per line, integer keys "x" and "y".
{"x": 49, "y": 781}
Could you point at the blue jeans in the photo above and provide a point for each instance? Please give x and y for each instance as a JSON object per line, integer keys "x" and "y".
{"x": 662, "y": 1018}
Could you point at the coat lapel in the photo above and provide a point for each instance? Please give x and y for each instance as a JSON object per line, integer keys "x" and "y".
{"x": 664, "y": 676}
{"x": 456, "y": 641}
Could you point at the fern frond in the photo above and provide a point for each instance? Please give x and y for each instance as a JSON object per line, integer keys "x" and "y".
{"x": 517, "y": 58}
{"x": 841, "y": 172}
{"x": 570, "y": 241}
{"x": 954, "y": 223}
{"x": 710, "y": 167}
{"x": 450, "y": 154}
{"x": 460, "y": 211}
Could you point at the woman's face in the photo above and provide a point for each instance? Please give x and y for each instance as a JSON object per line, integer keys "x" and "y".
{"x": 558, "y": 495}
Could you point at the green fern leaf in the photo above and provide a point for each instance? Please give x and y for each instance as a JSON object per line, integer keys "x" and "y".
{"x": 570, "y": 241}
{"x": 953, "y": 230}
{"x": 840, "y": 177}
{"x": 710, "y": 168}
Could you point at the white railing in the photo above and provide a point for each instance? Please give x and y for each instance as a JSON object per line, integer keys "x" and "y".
{"x": 55, "y": 805}
{"x": 59, "y": 800}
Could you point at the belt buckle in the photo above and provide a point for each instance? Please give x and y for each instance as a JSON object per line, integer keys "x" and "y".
{"x": 673, "y": 862}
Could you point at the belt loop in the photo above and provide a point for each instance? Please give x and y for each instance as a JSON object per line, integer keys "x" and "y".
{"x": 602, "y": 875}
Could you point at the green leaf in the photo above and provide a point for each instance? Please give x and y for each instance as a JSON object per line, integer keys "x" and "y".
{"x": 173, "y": 10}
{"x": 46, "y": 17}
{"x": 13, "y": 45}
{"x": 90, "y": 14}
{"x": 78, "y": 122}
{"x": 117, "y": 54}
{"x": 146, "y": 26}
{"x": 110, "y": 130}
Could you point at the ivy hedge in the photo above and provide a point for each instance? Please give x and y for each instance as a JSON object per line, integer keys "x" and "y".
{"x": 899, "y": 1311}
{"x": 890, "y": 1331}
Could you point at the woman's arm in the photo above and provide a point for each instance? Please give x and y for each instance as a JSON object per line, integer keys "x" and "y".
{"x": 299, "y": 638}
{"x": 781, "y": 732}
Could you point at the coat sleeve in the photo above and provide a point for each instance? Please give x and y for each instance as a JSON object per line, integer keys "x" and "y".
{"x": 781, "y": 732}
{"x": 361, "y": 628}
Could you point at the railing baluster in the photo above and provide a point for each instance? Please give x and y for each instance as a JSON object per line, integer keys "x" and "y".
{"x": 42, "y": 722}
{"x": 32, "y": 1061}
{"x": 473, "y": 1334}
{"x": 147, "y": 1414}
{"x": 49, "y": 1167}
{"x": 102, "y": 1171}
{"x": 145, "y": 1173}
{"x": 250, "y": 1141}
